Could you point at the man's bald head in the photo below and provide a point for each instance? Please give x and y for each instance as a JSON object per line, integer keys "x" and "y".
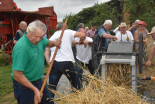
{"x": 23, "y": 26}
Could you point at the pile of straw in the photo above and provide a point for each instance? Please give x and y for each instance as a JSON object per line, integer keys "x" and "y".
{"x": 120, "y": 74}
{"x": 100, "y": 92}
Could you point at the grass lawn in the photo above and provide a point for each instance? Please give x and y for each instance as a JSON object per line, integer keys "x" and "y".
{"x": 6, "y": 86}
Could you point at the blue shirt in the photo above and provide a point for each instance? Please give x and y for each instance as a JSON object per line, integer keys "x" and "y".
{"x": 45, "y": 36}
{"x": 100, "y": 32}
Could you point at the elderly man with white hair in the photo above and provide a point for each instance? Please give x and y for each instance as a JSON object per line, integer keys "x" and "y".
{"x": 103, "y": 31}
{"x": 28, "y": 65}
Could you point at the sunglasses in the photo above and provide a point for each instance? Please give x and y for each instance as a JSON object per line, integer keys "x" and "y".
{"x": 140, "y": 25}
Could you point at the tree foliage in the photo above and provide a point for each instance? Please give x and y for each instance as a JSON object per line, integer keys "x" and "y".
{"x": 143, "y": 10}
{"x": 138, "y": 9}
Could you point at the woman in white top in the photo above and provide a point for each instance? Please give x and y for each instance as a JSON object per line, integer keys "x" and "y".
{"x": 123, "y": 34}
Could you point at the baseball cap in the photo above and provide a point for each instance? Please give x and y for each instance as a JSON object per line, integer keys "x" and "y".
{"x": 142, "y": 23}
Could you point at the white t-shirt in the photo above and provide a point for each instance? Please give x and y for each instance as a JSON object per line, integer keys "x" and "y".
{"x": 84, "y": 51}
{"x": 65, "y": 52}
{"x": 116, "y": 30}
{"x": 124, "y": 37}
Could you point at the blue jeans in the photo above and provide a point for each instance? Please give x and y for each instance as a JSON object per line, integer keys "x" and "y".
{"x": 26, "y": 96}
{"x": 79, "y": 66}
{"x": 60, "y": 68}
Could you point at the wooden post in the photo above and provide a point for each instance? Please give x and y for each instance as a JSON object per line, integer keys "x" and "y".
{"x": 50, "y": 67}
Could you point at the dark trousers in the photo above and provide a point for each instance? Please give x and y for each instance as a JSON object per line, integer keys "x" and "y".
{"x": 60, "y": 68}
{"x": 26, "y": 96}
{"x": 79, "y": 69}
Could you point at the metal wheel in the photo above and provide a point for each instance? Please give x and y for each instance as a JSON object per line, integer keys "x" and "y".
{"x": 7, "y": 51}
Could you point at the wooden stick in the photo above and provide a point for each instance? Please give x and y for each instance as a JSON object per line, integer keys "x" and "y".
{"x": 50, "y": 67}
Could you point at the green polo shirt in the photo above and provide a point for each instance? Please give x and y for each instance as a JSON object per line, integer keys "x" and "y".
{"x": 29, "y": 58}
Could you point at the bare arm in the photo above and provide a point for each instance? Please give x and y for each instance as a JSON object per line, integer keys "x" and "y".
{"x": 81, "y": 35}
{"x": 145, "y": 39}
{"x": 74, "y": 42}
{"x": 136, "y": 36}
{"x": 47, "y": 55}
{"x": 14, "y": 41}
{"x": 146, "y": 31}
{"x": 19, "y": 77}
{"x": 133, "y": 26}
{"x": 56, "y": 43}
{"x": 105, "y": 35}
{"x": 152, "y": 53}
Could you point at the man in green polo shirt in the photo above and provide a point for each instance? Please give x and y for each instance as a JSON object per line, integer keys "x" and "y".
{"x": 28, "y": 65}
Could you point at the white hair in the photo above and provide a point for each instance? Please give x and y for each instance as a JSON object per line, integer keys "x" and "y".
{"x": 107, "y": 22}
{"x": 137, "y": 20}
{"x": 81, "y": 25}
{"x": 36, "y": 24}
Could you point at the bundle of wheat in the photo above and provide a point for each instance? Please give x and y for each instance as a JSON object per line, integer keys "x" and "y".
{"x": 119, "y": 73}
{"x": 100, "y": 92}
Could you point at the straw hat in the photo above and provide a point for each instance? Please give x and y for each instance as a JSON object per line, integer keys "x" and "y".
{"x": 152, "y": 31}
{"x": 123, "y": 24}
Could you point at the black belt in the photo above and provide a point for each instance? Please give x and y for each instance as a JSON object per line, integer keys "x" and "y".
{"x": 35, "y": 81}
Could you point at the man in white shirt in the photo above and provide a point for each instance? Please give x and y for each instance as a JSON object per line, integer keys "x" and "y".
{"x": 123, "y": 34}
{"x": 63, "y": 63}
{"x": 84, "y": 55}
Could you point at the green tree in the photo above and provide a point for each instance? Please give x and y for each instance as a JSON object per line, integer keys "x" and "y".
{"x": 138, "y": 9}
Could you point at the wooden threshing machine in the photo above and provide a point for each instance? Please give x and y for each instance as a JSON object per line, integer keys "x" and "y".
{"x": 11, "y": 16}
{"x": 122, "y": 53}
